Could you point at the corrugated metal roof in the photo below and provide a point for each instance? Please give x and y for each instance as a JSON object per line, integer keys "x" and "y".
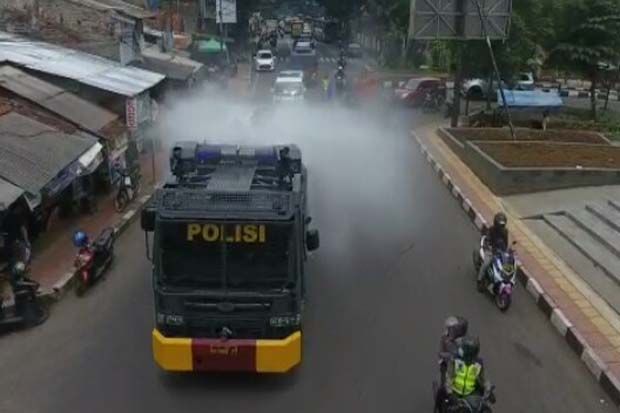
{"x": 8, "y": 194}
{"x": 173, "y": 66}
{"x": 55, "y": 99}
{"x": 32, "y": 153}
{"x": 119, "y": 6}
{"x": 72, "y": 64}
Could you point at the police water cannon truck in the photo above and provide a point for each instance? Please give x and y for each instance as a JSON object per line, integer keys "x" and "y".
{"x": 230, "y": 238}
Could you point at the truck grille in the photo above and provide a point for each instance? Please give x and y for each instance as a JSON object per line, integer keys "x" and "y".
{"x": 241, "y": 329}
{"x": 207, "y": 307}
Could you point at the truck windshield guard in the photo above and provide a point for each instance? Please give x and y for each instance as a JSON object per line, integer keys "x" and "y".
{"x": 226, "y": 255}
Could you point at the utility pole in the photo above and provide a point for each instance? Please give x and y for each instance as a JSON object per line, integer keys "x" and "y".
{"x": 221, "y": 14}
{"x": 458, "y": 77}
{"x": 485, "y": 33}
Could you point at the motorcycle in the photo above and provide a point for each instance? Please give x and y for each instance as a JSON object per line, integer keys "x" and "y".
{"x": 28, "y": 311}
{"x": 500, "y": 278}
{"x": 93, "y": 260}
{"x": 473, "y": 403}
{"x": 433, "y": 102}
{"x": 128, "y": 190}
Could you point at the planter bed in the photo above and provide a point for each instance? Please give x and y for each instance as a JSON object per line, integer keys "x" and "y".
{"x": 552, "y": 155}
{"x": 503, "y": 134}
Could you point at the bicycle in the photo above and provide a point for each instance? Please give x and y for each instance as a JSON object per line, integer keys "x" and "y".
{"x": 128, "y": 190}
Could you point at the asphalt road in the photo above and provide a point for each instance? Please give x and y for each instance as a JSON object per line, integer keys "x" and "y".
{"x": 262, "y": 82}
{"x": 395, "y": 260}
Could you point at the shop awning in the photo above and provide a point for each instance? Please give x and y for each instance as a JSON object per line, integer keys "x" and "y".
{"x": 9, "y": 193}
{"x": 91, "y": 159}
{"x": 209, "y": 46}
{"x": 33, "y": 154}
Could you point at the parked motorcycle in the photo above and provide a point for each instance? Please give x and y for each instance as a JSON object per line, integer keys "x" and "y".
{"x": 433, "y": 102}
{"x": 128, "y": 190}
{"x": 500, "y": 278}
{"x": 474, "y": 403}
{"x": 92, "y": 259}
{"x": 28, "y": 311}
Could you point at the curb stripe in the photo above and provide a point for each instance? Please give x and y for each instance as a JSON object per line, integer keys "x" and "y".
{"x": 534, "y": 289}
{"x": 594, "y": 363}
{"x": 574, "y": 339}
{"x": 560, "y": 322}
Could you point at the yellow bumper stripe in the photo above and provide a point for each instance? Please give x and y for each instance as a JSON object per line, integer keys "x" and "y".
{"x": 172, "y": 354}
{"x": 278, "y": 356}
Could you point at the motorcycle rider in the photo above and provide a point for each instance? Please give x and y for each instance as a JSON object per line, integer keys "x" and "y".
{"x": 340, "y": 79}
{"x": 455, "y": 327}
{"x": 80, "y": 240}
{"x": 465, "y": 373}
{"x": 497, "y": 240}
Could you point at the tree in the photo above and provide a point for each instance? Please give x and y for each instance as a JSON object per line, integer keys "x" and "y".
{"x": 588, "y": 40}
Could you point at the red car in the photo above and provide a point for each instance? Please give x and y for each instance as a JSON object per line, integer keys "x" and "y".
{"x": 414, "y": 91}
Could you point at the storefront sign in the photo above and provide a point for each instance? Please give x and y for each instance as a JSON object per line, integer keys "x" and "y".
{"x": 131, "y": 113}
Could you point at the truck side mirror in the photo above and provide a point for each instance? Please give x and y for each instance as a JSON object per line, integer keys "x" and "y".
{"x": 147, "y": 220}
{"x": 312, "y": 240}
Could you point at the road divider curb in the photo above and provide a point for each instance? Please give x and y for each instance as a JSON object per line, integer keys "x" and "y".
{"x": 572, "y": 337}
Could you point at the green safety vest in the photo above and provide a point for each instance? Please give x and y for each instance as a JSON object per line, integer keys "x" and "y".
{"x": 465, "y": 377}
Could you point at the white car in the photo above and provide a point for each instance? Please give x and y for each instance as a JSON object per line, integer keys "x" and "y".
{"x": 289, "y": 89}
{"x": 525, "y": 81}
{"x": 264, "y": 61}
{"x": 294, "y": 74}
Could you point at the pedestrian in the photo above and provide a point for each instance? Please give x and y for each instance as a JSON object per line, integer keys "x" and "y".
{"x": 325, "y": 84}
{"x": 15, "y": 225}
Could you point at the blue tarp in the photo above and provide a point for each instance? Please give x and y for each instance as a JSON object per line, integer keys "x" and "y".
{"x": 530, "y": 99}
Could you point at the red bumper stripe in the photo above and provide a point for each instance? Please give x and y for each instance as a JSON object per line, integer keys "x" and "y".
{"x": 218, "y": 355}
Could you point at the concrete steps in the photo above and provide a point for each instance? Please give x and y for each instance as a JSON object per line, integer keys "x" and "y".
{"x": 587, "y": 243}
{"x": 606, "y": 213}
{"x": 604, "y": 285}
{"x": 598, "y": 229}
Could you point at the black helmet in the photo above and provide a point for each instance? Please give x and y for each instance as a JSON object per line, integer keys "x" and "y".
{"x": 468, "y": 348}
{"x": 455, "y": 327}
{"x": 500, "y": 219}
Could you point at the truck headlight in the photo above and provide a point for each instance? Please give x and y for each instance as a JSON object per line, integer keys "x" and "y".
{"x": 170, "y": 319}
{"x": 285, "y": 321}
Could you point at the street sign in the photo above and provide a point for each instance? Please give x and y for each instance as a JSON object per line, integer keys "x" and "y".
{"x": 228, "y": 10}
{"x": 459, "y": 19}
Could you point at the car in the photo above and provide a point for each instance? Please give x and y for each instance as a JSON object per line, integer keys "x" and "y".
{"x": 288, "y": 89}
{"x": 354, "y": 50}
{"x": 295, "y": 74}
{"x": 304, "y": 58}
{"x": 525, "y": 81}
{"x": 265, "y": 60}
{"x": 414, "y": 90}
{"x": 302, "y": 44}
{"x": 477, "y": 89}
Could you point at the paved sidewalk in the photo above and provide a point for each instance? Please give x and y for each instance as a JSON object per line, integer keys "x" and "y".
{"x": 53, "y": 252}
{"x": 590, "y": 327}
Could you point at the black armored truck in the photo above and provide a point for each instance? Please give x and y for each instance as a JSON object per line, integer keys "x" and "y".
{"x": 228, "y": 235}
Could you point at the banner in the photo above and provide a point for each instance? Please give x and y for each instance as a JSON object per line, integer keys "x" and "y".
{"x": 228, "y": 10}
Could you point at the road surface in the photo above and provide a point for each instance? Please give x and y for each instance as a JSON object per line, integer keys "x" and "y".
{"x": 395, "y": 260}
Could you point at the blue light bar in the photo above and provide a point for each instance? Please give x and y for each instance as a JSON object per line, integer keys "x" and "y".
{"x": 214, "y": 154}
{"x": 208, "y": 154}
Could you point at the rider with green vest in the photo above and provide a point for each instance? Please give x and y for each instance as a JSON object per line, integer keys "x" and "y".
{"x": 465, "y": 374}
